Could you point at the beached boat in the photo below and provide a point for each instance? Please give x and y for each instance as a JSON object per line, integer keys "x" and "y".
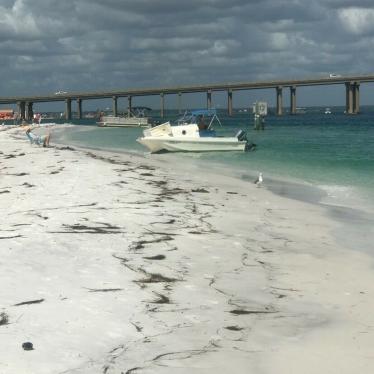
{"x": 192, "y": 133}
{"x": 135, "y": 118}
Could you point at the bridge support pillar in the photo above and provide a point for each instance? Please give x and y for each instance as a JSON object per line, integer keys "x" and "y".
{"x": 29, "y": 111}
{"x": 229, "y": 102}
{"x": 162, "y": 108}
{"x": 356, "y": 97}
{"x": 67, "y": 109}
{"x": 349, "y": 98}
{"x": 79, "y": 108}
{"x": 209, "y": 99}
{"x": 21, "y": 110}
{"x": 114, "y": 106}
{"x": 179, "y": 102}
{"x": 293, "y": 100}
{"x": 279, "y": 101}
{"x": 129, "y": 105}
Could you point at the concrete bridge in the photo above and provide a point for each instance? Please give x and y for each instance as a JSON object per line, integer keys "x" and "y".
{"x": 351, "y": 83}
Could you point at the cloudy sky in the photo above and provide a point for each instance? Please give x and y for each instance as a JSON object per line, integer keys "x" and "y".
{"x": 79, "y": 45}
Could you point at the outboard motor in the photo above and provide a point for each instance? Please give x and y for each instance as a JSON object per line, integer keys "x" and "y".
{"x": 241, "y": 135}
{"x": 250, "y": 147}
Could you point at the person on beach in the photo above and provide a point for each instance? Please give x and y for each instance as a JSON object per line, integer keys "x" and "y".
{"x": 38, "y": 139}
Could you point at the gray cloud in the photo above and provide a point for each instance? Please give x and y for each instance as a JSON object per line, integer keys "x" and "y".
{"x": 337, "y": 4}
{"x": 88, "y": 45}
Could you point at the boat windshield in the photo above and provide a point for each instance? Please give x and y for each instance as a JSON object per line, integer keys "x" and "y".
{"x": 204, "y": 118}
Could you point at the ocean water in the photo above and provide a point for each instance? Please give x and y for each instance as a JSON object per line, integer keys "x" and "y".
{"x": 334, "y": 152}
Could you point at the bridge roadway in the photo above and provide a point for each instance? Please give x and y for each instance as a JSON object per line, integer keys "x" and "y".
{"x": 352, "y": 84}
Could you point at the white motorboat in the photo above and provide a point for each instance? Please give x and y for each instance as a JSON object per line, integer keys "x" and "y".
{"x": 327, "y": 111}
{"x": 191, "y": 137}
{"x": 134, "y": 118}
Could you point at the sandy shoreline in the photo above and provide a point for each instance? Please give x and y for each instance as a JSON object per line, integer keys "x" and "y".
{"x": 128, "y": 265}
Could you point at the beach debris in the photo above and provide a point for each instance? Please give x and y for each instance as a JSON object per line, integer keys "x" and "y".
{"x": 141, "y": 243}
{"x": 238, "y": 312}
{"x": 171, "y": 192}
{"x": 27, "y": 184}
{"x": 151, "y": 232}
{"x": 200, "y": 190}
{"x": 29, "y": 302}
{"x": 259, "y": 180}
{"x": 146, "y": 167}
{"x": 3, "y": 319}
{"x": 182, "y": 355}
{"x": 40, "y": 216}
{"x": 156, "y": 278}
{"x": 19, "y": 174}
{"x": 132, "y": 370}
{"x": 162, "y": 299}
{"x": 27, "y": 346}
{"x": 286, "y": 289}
{"x": 65, "y": 148}
{"x": 146, "y": 174}
{"x": 104, "y": 228}
{"x": 157, "y": 257}
{"x": 138, "y": 328}
{"x": 234, "y": 328}
{"x": 104, "y": 289}
{"x": 57, "y": 171}
{"x": 11, "y": 237}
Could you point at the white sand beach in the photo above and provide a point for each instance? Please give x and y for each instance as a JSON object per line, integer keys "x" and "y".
{"x": 115, "y": 263}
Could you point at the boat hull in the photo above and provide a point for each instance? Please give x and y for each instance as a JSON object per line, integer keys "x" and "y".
{"x": 192, "y": 145}
{"x": 123, "y": 122}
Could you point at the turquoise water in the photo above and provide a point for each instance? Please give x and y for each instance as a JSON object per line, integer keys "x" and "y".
{"x": 333, "y": 151}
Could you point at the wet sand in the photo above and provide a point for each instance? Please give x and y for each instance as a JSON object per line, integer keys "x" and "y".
{"x": 115, "y": 263}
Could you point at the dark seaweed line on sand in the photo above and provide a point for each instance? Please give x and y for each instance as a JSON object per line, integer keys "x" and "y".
{"x": 11, "y": 237}
{"x": 29, "y": 302}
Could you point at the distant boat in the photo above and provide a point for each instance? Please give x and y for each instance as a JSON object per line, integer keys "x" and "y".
{"x": 7, "y": 114}
{"x": 90, "y": 115}
{"x": 135, "y": 118}
{"x": 300, "y": 110}
{"x": 327, "y": 111}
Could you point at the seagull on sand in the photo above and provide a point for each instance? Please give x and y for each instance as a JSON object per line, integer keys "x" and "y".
{"x": 259, "y": 180}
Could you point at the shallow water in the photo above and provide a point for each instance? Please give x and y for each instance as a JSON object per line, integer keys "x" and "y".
{"x": 334, "y": 152}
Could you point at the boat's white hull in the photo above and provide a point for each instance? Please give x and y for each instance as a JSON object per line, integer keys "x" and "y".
{"x": 175, "y": 144}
